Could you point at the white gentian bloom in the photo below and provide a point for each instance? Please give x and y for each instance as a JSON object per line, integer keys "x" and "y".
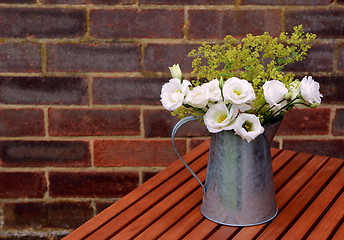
{"x": 214, "y": 90}
{"x": 248, "y": 126}
{"x": 274, "y": 92}
{"x": 175, "y": 71}
{"x": 310, "y": 90}
{"x": 197, "y": 97}
{"x": 173, "y": 93}
{"x": 238, "y": 91}
{"x": 294, "y": 89}
{"x": 219, "y": 118}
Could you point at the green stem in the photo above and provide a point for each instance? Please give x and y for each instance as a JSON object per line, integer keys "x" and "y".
{"x": 273, "y": 115}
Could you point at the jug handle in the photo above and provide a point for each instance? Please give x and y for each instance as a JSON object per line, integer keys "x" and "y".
{"x": 174, "y": 131}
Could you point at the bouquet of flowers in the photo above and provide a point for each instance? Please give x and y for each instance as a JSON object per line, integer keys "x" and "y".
{"x": 240, "y": 86}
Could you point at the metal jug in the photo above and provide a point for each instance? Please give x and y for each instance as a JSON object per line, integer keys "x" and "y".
{"x": 239, "y": 188}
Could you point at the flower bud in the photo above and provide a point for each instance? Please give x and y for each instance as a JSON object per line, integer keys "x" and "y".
{"x": 288, "y": 95}
{"x": 221, "y": 82}
{"x": 314, "y": 105}
{"x": 176, "y": 72}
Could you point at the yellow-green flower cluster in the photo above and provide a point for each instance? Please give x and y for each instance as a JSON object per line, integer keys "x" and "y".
{"x": 255, "y": 58}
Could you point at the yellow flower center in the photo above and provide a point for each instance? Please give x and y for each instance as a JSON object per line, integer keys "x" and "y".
{"x": 222, "y": 118}
{"x": 237, "y": 92}
{"x": 247, "y": 126}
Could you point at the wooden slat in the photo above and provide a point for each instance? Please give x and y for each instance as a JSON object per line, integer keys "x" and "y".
{"x": 144, "y": 221}
{"x": 123, "y": 219}
{"x": 275, "y": 152}
{"x": 291, "y": 168}
{"x": 184, "y": 225}
{"x": 309, "y": 196}
{"x": 310, "y": 216}
{"x": 202, "y": 230}
{"x": 282, "y": 159}
{"x": 103, "y": 217}
{"x": 158, "y": 228}
{"x": 276, "y": 228}
{"x": 224, "y": 232}
{"x": 327, "y": 226}
{"x": 339, "y": 235}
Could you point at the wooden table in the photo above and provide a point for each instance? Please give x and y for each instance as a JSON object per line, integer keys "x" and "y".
{"x": 309, "y": 196}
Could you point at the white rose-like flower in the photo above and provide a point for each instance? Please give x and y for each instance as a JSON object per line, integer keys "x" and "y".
{"x": 175, "y": 71}
{"x": 173, "y": 93}
{"x": 310, "y": 90}
{"x": 295, "y": 89}
{"x": 197, "y": 97}
{"x": 274, "y": 92}
{"x": 248, "y": 126}
{"x": 219, "y": 118}
{"x": 214, "y": 90}
{"x": 238, "y": 91}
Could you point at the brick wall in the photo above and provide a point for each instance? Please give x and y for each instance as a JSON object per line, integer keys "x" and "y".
{"x": 81, "y": 123}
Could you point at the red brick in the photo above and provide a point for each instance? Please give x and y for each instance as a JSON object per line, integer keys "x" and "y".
{"x": 159, "y": 123}
{"x": 158, "y": 57}
{"x": 98, "y": 2}
{"x": 22, "y": 184}
{"x": 332, "y": 88}
{"x": 206, "y": 24}
{"x": 305, "y": 122}
{"x": 148, "y": 175}
{"x": 338, "y": 123}
{"x": 323, "y": 22}
{"x": 340, "y": 65}
{"x": 189, "y": 2}
{"x": 21, "y": 122}
{"x": 93, "y": 57}
{"x": 148, "y": 153}
{"x": 100, "y": 206}
{"x": 94, "y": 122}
{"x": 43, "y": 90}
{"x": 42, "y": 22}
{"x": 92, "y": 184}
{"x": 195, "y": 143}
{"x": 319, "y": 59}
{"x": 44, "y": 154}
{"x": 325, "y": 147}
{"x": 127, "y": 90}
{"x": 47, "y": 214}
{"x": 18, "y": 1}
{"x": 16, "y": 237}
{"x": 132, "y": 23}
{"x": 285, "y": 2}
{"x": 23, "y": 57}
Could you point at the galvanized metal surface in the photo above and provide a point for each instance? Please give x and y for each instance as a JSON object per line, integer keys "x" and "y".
{"x": 239, "y": 188}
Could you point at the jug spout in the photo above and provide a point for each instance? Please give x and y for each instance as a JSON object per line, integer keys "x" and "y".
{"x": 271, "y": 130}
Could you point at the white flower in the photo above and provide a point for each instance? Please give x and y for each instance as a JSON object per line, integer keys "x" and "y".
{"x": 238, "y": 91}
{"x": 248, "y": 126}
{"x": 173, "y": 93}
{"x": 175, "y": 71}
{"x": 310, "y": 90}
{"x": 197, "y": 97}
{"x": 295, "y": 89}
{"x": 219, "y": 118}
{"x": 214, "y": 90}
{"x": 274, "y": 92}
